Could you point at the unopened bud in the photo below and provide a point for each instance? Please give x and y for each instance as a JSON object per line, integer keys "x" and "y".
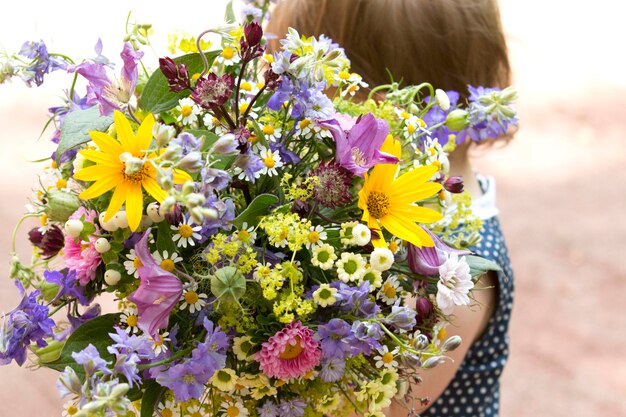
{"x": 60, "y": 205}
{"x": 153, "y": 213}
{"x": 451, "y": 344}
{"x": 454, "y": 185}
{"x": 163, "y": 134}
{"x": 192, "y": 162}
{"x": 166, "y": 206}
{"x": 74, "y": 227}
{"x": 166, "y": 181}
{"x": 421, "y": 342}
{"x": 432, "y": 362}
{"x": 112, "y": 277}
{"x": 102, "y": 245}
{"x": 110, "y": 226}
{"x": 145, "y": 222}
{"x": 442, "y": 99}
{"x": 188, "y": 188}
{"x": 197, "y": 215}
{"x": 457, "y": 120}
{"x": 172, "y": 152}
{"x": 225, "y": 145}
{"x": 195, "y": 200}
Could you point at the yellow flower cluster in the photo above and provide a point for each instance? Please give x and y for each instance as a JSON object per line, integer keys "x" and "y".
{"x": 298, "y": 190}
{"x": 234, "y": 250}
{"x": 286, "y": 230}
{"x": 185, "y": 43}
{"x": 468, "y": 235}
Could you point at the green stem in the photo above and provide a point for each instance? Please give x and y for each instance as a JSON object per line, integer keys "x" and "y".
{"x": 73, "y": 85}
{"x": 17, "y": 226}
{"x": 172, "y": 358}
{"x": 53, "y": 312}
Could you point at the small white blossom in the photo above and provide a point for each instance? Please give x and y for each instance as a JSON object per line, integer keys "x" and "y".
{"x": 455, "y": 282}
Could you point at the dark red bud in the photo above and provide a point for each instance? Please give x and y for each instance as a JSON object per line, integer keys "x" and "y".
{"x": 424, "y": 307}
{"x": 176, "y": 75}
{"x": 50, "y": 242}
{"x": 272, "y": 80}
{"x": 454, "y": 185}
{"x": 35, "y": 236}
{"x": 253, "y": 33}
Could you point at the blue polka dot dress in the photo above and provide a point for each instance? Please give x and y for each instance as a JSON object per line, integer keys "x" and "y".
{"x": 475, "y": 388}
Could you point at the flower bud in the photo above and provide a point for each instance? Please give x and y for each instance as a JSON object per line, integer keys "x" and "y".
{"x": 120, "y": 219}
{"x": 432, "y": 362}
{"x": 48, "y": 290}
{"x": 73, "y": 227}
{"x": 110, "y": 226}
{"x": 188, "y": 188}
{"x": 192, "y": 162}
{"x": 145, "y": 222}
{"x": 421, "y": 342}
{"x": 228, "y": 284}
{"x": 423, "y": 306}
{"x": 102, "y": 245}
{"x": 166, "y": 180}
{"x": 454, "y": 185}
{"x": 60, "y": 205}
{"x": 457, "y": 120}
{"x": 35, "y": 236}
{"x": 442, "y": 99}
{"x": 197, "y": 215}
{"x": 163, "y": 134}
{"x": 112, "y": 277}
{"x": 195, "y": 200}
{"x": 451, "y": 344}
{"x": 225, "y": 145}
{"x": 153, "y": 212}
{"x": 172, "y": 152}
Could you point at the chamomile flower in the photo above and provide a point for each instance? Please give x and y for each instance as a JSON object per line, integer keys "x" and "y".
{"x": 189, "y": 111}
{"x": 389, "y": 291}
{"x": 246, "y": 234}
{"x": 244, "y": 105}
{"x": 316, "y": 236}
{"x": 381, "y": 259}
{"x": 328, "y": 404}
{"x": 435, "y": 155}
{"x": 271, "y": 161}
{"x": 386, "y": 359}
{"x": 192, "y": 299}
{"x": 374, "y": 277}
{"x": 350, "y": 267}
{"x": 186, "y": 234}
{"x": 249, "y": 88}
{"x": 130, "y": 318}
{"x": 229, "y": 56}
{"x": 350, "y": 83}
{"x": 132, "y": 264}
{"x": 325, "y": 295}
{"x": 70, "y": 409}
{"x": 159, "y": 345}
{"x": 307, "y": 129}
{"x": 269, "y": 58}
{"x": 169, "y": 409}
{"x": 323, "y": 257}
{"x": 242, "y": 347}
{"x": 361, "y": 235}
{"x": 414, "y": 126}
{"x": 224, "y": 379}
{"x": 271, "y": 132}
{"x": 396, "y": 246}
{"x": 212, "y": 123}
{"x": 167, "y": 261}
{"x": 234, "y": 409}
{"x": 346, "y": 233}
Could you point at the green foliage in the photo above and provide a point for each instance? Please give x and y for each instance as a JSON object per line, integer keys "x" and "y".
{"x": 479, "y": 266}
{"x": 260, "y": 206}
{"x": 76, "y": 128}
{"x": 157, "y": 96}
{"x": 152, "y": 393}
{"x": 164, "y": 238}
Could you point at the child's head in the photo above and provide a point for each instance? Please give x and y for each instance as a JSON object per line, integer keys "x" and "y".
{"x": 449, "y": 43}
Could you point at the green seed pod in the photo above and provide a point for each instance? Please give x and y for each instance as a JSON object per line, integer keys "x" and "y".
{"x": 48, "y": 291}
{"x": 457, "y": 120}
{"x": 228, "y": 284}
{"x": 60, "y": 205}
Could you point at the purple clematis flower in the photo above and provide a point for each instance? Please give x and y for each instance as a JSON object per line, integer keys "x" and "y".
{"x": 359, "y": 148}
{"x": 426, "y": 260}
{"x": 157, "y": 294}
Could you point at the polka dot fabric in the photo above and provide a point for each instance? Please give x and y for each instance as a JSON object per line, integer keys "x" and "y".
{"x": 475, "y": 389}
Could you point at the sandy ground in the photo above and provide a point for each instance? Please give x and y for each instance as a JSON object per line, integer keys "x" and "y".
{"x": 561, "y": 193}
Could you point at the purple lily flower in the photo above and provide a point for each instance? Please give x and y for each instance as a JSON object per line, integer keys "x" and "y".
{"x": 358, "y": 149}
{"x": 157, "y": 294}
{"x": 426, "y": 260}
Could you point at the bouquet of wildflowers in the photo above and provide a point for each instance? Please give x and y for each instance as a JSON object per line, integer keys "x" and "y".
{"x": 275, "y": 246}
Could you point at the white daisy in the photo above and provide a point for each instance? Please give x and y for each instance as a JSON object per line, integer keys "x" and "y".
{"x": 70, "y": 409}
{"x": 455, "y": 282}
{"x": 316, "y": 236}
{"x": 374, "y": 277}
{"x": 159, "y": 345}
{"x": 244, "y": 104}
{"x": 167, "y": 261}
{"x": 272, "y": 133}
{"x": 132, "y": 264}
{"x": 195, "y": 410}
{"x": 189, "y": 111}
{"x": 350, "y": 82}
{"x": 246, "y": 234}
{"x": 325, "y": 295}
{"x": 192, "y": 299}
{"x": 323, "y": 257}
{"x": 361, "y": 235}
{"x": 130, "y": 319}
{"x": 350, "y": 267}
{"x": 212, "y": 123}
{"x": 414, "y": 126}
{"x": 381, "y": 259}
{"x": 186, "y": 234}
{"x": 389, "y": 291}
{"x": 229, "y": 56}
{"x": 234, "y": 409}
{"x": 271, "y": 161}
{"x": 307, "y": 128}
{"x": 386, "y": 358}
{"x": 249, "y": 88}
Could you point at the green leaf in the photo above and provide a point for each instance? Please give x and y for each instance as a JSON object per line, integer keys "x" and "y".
{"x": 157, "y": 96}
{"x": 229, "y": 15}
{"x": 479, "y": 266}
{"x": 260, "y": 206}
{"x": 76, "y": 128}
{"x": 164, "y": 238}
{"x": 152, "y": 393}
{"x": 95, "y": 332}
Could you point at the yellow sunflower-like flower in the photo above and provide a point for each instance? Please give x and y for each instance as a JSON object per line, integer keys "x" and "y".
{"x": 123, "y": 165}
{"x": 388, "y": 202}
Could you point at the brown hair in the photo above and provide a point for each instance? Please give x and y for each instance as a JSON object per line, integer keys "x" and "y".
{"x": 449, "y": 43}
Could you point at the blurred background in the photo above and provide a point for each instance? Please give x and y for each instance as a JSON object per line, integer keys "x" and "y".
{"x": 561, "y": 188}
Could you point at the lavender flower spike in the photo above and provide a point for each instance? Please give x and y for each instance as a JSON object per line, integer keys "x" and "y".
{"x": 426, "y": 260}
{"x": 157, "y": 294}
{"x": 359, "y": 149}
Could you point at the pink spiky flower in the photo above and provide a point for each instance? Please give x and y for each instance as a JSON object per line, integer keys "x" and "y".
{"x": 290, "y": 353}
{"x": 82, "y": 256}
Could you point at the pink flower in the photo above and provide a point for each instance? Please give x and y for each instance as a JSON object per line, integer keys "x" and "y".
{"x": 81, "y": 256}
{"x": 157, "y": 294}
{"x": 290, "y": 353}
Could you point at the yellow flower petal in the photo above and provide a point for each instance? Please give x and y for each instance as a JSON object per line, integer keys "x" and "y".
{"x": 99, "y": 187}
{"x": 96, "y": 172}
{"x": 134, "y": 205}
{"x": 419, "y": 214}
{"x": 125, "y": 133}
{"x": 406, "y": 182}
{"x": 154, "y": 189}
{"x": 144, "y": 133}
{"x": 407, "y": 230}
{"x": 419, "y": 192}
{"x": 118, "y": 198}
{"x": 106, "y": 143}
{"x": 100, "y": 157}
{"x": 180, "y": 177}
